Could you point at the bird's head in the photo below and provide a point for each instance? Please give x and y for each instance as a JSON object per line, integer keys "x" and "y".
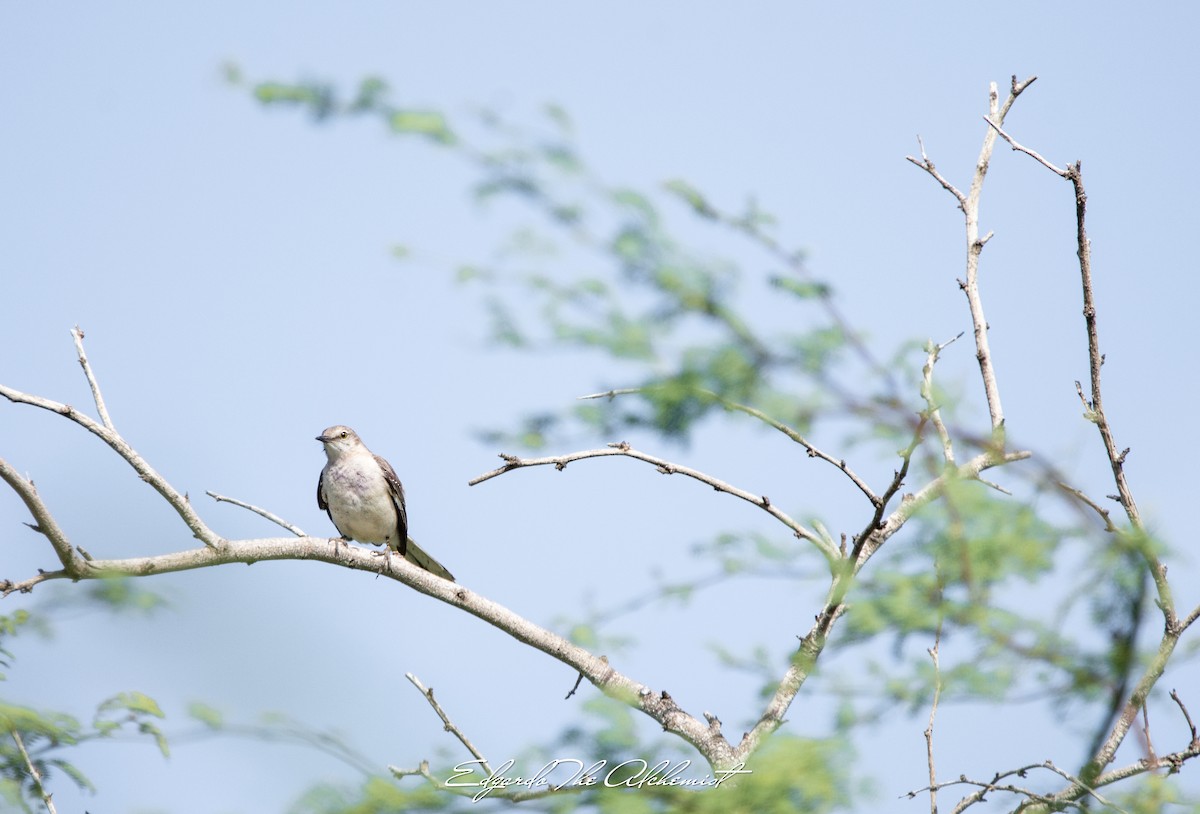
{"x": 338, "y": 440}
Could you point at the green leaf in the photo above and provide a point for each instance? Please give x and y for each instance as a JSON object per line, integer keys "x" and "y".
{"x": 803, "y": 289}
{"x": 427, "y": 123}
{"x": 692, "y": 197}
{"x": 205, "y": 714}
{"x": 135, "y": 703}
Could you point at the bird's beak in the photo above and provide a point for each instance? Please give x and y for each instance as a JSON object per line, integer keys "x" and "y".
{"x": 322, "y": 438}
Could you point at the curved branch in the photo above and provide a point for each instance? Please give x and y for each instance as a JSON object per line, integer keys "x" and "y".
{"x": 46, "y": 524}
{"x": 623, "y": 449}
{"x": 754, "y": 412}
{"x": 146, "y": 472}
{"x": 595, "y": 669}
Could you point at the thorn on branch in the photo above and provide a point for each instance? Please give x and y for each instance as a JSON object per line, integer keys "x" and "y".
{"x": 766, "y": 501}
{"x": 1121, "y": 457}
{"x": 560, "y": 466}
{"x": 961, "y": 285}
{"x": 621, "y": 445}
{"x": 509, "y": 459}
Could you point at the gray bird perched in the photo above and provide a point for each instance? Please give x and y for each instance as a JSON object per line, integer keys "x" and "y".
{"x": 365, "y": 500}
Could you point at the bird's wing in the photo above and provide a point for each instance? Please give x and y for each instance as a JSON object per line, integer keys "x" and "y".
{"x": 321, "y": 504}
{"x": 397, "y": 491}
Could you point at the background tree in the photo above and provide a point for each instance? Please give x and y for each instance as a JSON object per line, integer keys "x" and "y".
{"x": 691, "y": 321}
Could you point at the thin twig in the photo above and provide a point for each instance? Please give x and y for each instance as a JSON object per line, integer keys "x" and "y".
{"x": 988, "y": 786}
{"x": 34, "y": 773}
{"x": 111, "y": 437}
{"x": 1187, "y": 717}
{"x": 274, "y": 518}
{"x": 449, "y": 725}
{"x": 929, "y": 167}
{"x": 937, "y": 694}
{"x": 932, "y": 409}
{"x": 1026, "y": 150}
{"x": 77, "y": 335}
{"x": 1093, "y": 505}
{"x": 623, "y": 449}
{"x": 969, "y": 204}
{"x": 790, "y": 432}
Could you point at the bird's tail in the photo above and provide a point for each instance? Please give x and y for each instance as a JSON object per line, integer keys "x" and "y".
{"x": 417, "y": 556}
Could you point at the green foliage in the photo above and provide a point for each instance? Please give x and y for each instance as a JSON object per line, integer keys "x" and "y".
{"x": 652, "y": 302}
{"x": 49, "y": 735}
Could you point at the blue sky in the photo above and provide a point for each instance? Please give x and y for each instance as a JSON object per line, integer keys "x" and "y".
{"x": 232, "y": 268}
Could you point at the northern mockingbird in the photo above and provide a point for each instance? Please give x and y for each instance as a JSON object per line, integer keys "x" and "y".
{"x": 364, "y": 498}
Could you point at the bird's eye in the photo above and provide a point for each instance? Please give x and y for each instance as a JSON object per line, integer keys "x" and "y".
{"x": 343, "y": 433}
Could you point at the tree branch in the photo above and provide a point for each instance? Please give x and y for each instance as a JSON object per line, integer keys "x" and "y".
{"x": 34, "y": 773}
{"x": 623, "y": 449}
{"x": 1094, "y": 412}
{"x": 46, "y": 524}
{"x": 595, "y": 669}
{"x": 932, "y": 410}
{"x": 754, "y": 412}
{"x": 969, "y": 204}
{"x": 274, "y": 518}
{"x": 448, "y": 724}
{"x": 111, "y": 437}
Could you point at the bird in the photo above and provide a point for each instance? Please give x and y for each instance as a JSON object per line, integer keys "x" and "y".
{"x": 364, "y": 498}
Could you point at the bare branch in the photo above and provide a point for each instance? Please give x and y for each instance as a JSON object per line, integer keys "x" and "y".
{"x": 34, "y": 773}
{"x": 623, "y": 449}
{"x": 274, "y": 518}
{"x": 989, "y": 786}
{"x": 1191, "y": 726}
{"x": 754, "y": 412}
{"x": 45, "y": 522}
{"x": 147, "y": 473}
{"x": 928, "y": 166}
{"x": 595, "y": 669}
{"x": 937, "y": 694}
{"x": 970, "y": 470}
{"x": 932, "y": 409}
{"x": 1094, "y": 412}
{"x": 77, "y": 335}
{"x": 1087, "y": 501}
{"x": 448, "y": 724}
{"x": 969, "y": 204}
{"x": 1026, "y": 150}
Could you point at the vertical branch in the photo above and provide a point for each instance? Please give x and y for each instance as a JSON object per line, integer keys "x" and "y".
{"x": 1094, "y": 412}
{"x": 937, "y": 694}
{"x": 931, "y": 407}
{"x": 1074, "y": 174}
{"x": 969, "y": 204}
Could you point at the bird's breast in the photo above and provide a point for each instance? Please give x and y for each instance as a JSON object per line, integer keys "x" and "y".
{"x": 360, "y": 503}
